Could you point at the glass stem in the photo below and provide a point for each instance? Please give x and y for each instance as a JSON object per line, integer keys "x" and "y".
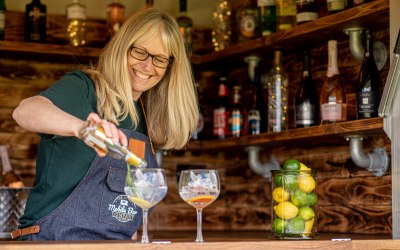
{"x": 199, "y": 237}
{"x": 145, "y": 237}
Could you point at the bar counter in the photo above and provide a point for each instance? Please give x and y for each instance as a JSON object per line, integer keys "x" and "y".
{"x": 219, "y": 240}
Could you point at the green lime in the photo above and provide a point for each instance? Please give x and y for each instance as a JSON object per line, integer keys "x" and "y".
{"x": 300, "y": 198}
{"x": 279, "y": 225}
{"x": 307, "y": 213}
{"x": 278, "y": 180}
{"x": 296, "y": 225}
{"x": 291, "y": 164}
{"x": 289, "y": 182}
{"x": 312, "y": 199}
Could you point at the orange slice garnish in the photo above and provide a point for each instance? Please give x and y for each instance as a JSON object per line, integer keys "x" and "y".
{"x": 202, "y": 198}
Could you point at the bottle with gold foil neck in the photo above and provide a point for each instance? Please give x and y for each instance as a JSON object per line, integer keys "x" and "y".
{"x": 95, "y": 138}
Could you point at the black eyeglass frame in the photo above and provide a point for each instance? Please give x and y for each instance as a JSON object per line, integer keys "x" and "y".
{"x": 170, "y": 60}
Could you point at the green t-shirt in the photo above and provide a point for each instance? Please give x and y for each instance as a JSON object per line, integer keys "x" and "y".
{"x": 63, "y": 161}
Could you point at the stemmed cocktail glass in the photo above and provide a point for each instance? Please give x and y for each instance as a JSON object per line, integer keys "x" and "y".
{"x": 145, "y": 187}
{"x": 199, "y": 188}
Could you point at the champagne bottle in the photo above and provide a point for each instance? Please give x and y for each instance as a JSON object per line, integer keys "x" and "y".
{"x": 285, "y": 14}
{"x": 2, "y": 18}
{"x": 336, "y": 5}
{"x": 306, "y": 11}
{"x": 76, "y": 23}
{"x": 278, "y": 94}
{"x": 266, "y": 17}
{"x": 368, "y": 83}
{"x": 306, "y": 99}
{"x": 115, "y": 17}
{"x": 333, "y": 101}
{"x": 222, "y": 25}
{"x": 185, "y": 25}
{"x": 35, "y": 22}
{"x": 220, "y": 119}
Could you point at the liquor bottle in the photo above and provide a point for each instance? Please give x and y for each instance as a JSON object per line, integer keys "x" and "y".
{"x": 306, "y": 11}
{"x": 222, "y": 25}
{"x": 94, "y": 137}
{"x": 306, "y": 100}
{"x": 35, "y": 22}
{"x": 285, "y": 14}
{"x": 278, "y": 95}
{"x": 266, "y": 17}
{"x": 246, "y": 19}
{"x": 76, "y": 23}
{"x": 220, "y": 120}
{"x": 333, "y": 101}
{"x": 185, "y": 25}
{"x": 257, "y": 111}
{"x": 115, "y": 17}
{"x": 368, "y": 83}
{"x": 336, "y": 5}
{"x": 2, "y": 18}
{"x": 237, "y": 114}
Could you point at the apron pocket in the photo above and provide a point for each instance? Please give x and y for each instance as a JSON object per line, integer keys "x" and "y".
{"x": 115, "y": 208}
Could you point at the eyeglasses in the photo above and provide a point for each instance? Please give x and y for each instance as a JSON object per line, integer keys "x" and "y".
{"x": 158, "y": 61}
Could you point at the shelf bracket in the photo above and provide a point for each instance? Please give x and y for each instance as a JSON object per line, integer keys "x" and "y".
{"x": 257, "y": 167}
{"x": 376, "y": 162}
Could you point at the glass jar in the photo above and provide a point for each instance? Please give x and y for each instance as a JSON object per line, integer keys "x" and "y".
{"x": 293, "y": 205}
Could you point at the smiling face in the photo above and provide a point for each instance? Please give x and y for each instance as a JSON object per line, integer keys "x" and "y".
{"x": 143, "y": 74}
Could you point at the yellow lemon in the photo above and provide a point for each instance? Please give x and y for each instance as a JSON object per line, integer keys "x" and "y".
{"x": 279, "y": 194}
{"x": 140, "y": 202}
{"x": 304, "y": 167}
{"x": 306, "y": 183}
{"x": 286, "y": 210}
{"x": 308, "y": 226}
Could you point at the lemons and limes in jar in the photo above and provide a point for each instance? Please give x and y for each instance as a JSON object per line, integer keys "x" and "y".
{"x": 294, "y": 199}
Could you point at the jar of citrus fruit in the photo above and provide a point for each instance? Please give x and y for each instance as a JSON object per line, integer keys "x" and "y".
{"x": 294, "y": 200}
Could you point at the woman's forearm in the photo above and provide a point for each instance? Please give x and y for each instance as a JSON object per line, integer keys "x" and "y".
{"x": 39, "y": 114}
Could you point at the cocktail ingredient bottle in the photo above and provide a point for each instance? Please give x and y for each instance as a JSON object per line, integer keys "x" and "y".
{"x": 333, "y": 101}
{"x": 76, "y": 23}
{"x": 368, "y": 83}
{"x": 266, "y": 17}
{"x": 306, "y": 11}
{"x": 278, "y": 95}
{"x": 307, "y": 98}
{"x": 35, "y": 22}
{"x": 185, "y": 25}
{"x": 222, "y": 25}
{"x": 236, "y": 114}
{"x": 115, "y": 17}
{"x": 94, "y": 137}
{"x": 2, "y": 18}
{"x": 246, "y": 19}
{"x": 220, "y": 119}
{"x": 257, "y": 111}
{"x": 285, "y": 14}
{"x": 336, "y": 5}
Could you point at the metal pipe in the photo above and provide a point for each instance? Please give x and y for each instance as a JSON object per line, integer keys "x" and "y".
{"x": 257, "y": 167}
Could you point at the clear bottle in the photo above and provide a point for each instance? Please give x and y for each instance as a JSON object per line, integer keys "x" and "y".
{"x": 220, "y": 118}
{"x": 115, "y": 17}
{"x": 333, "y": 101}
{"x": 307, "y": 99}
{"x": 246, "y": 19}
{"x": 94, "y": 137}
{"x": 306, "y": 11}
{"x": 266, "y": 17}
{"x": 237, "y": 114}
{"x": 185, "y": 25}
{"x": 2, "y": 18}
{"x": 278, "y": 94}
{"x": 222, "y": 25}
{"x": 368, "y": 83}
{"x": 336, "y": 5}
{"x": 35, "y": 22}
{"x": 76, "y": 23}
{"x": 285, "y": 14}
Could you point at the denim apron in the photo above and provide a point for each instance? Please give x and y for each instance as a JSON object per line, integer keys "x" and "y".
{"x": 98, "y": 208}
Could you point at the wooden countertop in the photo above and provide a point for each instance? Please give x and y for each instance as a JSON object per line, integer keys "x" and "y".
{"x": 218, "y": 240}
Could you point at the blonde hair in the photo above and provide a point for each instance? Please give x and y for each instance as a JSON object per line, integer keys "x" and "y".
{"x": 171, "y": 106}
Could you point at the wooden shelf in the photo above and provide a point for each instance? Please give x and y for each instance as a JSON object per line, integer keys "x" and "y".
{"x": 330, "y": 133}
{"x": 374, "y": 15}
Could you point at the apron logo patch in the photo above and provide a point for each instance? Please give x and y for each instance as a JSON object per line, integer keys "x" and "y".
{"x": 122, "y": 209}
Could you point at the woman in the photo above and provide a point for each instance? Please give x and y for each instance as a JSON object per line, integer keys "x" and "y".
{"x": 142, "y": 93}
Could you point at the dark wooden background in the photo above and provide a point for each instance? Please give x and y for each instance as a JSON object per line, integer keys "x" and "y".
{"x": 351, "y": 199}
